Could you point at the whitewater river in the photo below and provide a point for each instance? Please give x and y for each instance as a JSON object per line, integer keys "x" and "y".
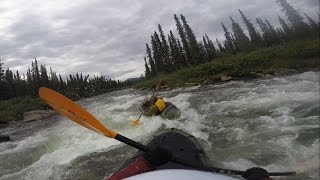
{"x": 272, "y": 123}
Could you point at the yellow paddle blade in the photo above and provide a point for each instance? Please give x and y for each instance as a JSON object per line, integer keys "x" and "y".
{"x": 136, "y": 122}
{"x": 75, "y": 119}
{"x": 73, "y": 111}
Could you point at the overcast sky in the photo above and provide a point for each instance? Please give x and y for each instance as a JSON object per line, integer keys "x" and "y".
{"x": 107, "y": 37}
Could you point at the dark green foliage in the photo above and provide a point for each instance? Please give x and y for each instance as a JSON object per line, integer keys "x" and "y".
{"x": 273, "y": 32}
{"x": 254, "y": 34}
{"x": 153, "y": 70}
{"x": 13, "y": 109}
{"x": 195, "y": 50}
{"x": 296, "y": 21}
{"x": 176, "y": 53}
{"x": 241, "y": 40}
{"x": 147, "y": 72}
{"x": 229, "y": 42}
{"x": 288, "y": 31}
{"x": 266, "y": 33}
{"x": 157, "y": 53}
{"x": 295, "y": 54}
{"x": 210, "y": 50}
{"x": 221, "y": 49}
{"x": 3, "y": 83}
{"x": 76, "y": 86}
{"x": 313, "y": 25}
{"x": 185, "y": 46}
{"x": 10, "y": 83}
{"x": 164, "y": 49}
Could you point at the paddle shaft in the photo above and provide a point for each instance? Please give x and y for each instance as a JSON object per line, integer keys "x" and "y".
{"x": 132, "y": 143}
{"x": 157, "y": 87}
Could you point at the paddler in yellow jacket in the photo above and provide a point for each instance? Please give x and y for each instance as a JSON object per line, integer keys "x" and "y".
{"x": 153, "y": 107}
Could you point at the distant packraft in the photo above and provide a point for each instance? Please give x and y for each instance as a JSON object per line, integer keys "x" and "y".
{"x": 156, "y": 106}
{"x": 170, "y": 112}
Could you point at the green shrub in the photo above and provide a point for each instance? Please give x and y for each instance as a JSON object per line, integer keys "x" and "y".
{"x": 294, "y": 54}
{"x": 13, "y": 109}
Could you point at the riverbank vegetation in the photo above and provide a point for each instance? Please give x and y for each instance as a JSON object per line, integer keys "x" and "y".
{"x": 296, "y": 54}
{"x": 180, "y": 60}
{"x": 14, "y": 108}
{"x": 19, "y": 93}
{"x": 239, "y": 52}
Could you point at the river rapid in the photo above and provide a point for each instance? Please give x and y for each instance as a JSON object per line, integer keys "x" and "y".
{"x": 271, "y": 123}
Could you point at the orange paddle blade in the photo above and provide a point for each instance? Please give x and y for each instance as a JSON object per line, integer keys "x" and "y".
{"x": 75, "y": 119}
{"x": 136, "y": 122}
{"x": 73, "y": 111}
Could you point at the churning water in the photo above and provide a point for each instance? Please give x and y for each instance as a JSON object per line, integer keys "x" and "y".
{"x": 271, "y": 123}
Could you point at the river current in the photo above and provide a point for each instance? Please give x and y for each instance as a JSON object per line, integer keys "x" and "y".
{"x": 271, "y": 123}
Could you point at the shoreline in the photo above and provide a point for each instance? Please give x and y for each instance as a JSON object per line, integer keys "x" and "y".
{"x": 18, "y": 130}
{"x": 224, "y": 79}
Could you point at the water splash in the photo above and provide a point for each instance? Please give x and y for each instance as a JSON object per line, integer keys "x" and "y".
{"x": 271, "y": 123}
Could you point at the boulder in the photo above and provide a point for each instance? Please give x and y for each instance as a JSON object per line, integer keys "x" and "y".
{"x": 226, "y": 78}
{"x": 268, "y": 76}
{"x": 256, "y": 75}
{"x": 190, "y": 84}
{"x": 164, "y": 86}
{"x": 208, "y": 81}
{"x": 37, "y": 115}
{"x": 282, "y": 72}
{"x": 4, "y": 138}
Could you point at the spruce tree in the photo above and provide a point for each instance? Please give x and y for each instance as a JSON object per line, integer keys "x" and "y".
{"x": 147, "y": 71}
{"x": 212, "y": 50}
{"x": 195, "y": 52}
{"x": 174, "y": 54}
{"x": 206, "y": 48}
{"x": 53, "y": 80}
{"x": 164, "y": 49}
{"x": 185, "y": 45}
{"x": 266, "y": 34}
{"x": 62, "y": 85}
{"x": 229, "y": 41}
{"x": 183, "y": 54}
{"x": 157, "y": 47}
{"x": 3, "y": 84}
{"x": 44, "y": 76}
{"x": 153, "y": 70}
{"x": 1, "y": 71}
{"x": 156, "y": 55}
{"x": 286, "y": 28}
{"x": 30, "y": 82}
{"x": 10, "y": 82}
{"x": 221, "y": 49}
{"x": 21, "y": 85}
{"x": 273, "y": 32}
{"x": 17, "y": 84}
{"x": 313, "y": 25}
{"x": 294, "y": 17}
{"x": 241, "y": 40}
{"x": 254, "y": 35}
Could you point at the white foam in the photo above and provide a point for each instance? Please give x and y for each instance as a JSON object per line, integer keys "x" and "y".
{"x": 276, "y": 125}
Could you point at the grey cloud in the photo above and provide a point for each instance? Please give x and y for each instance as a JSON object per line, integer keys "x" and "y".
{"x": 109, "y": 37}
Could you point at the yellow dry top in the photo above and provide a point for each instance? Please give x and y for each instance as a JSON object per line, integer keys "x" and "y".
{"x": 160, "y": 104}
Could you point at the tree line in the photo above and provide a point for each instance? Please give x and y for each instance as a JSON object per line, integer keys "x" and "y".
{"x": 167, "y": 53}
{"x": 14, "y": 84}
